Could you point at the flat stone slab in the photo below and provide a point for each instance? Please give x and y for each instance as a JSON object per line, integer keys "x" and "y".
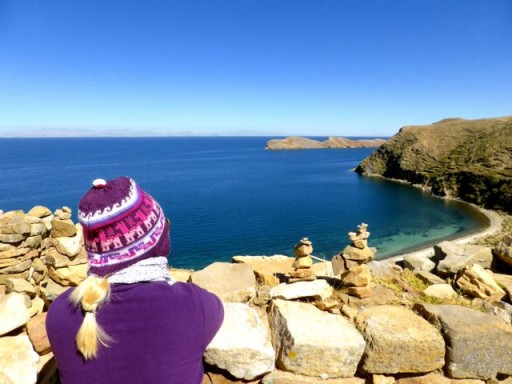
{"x": 242, "y": 346}
{"x": 399, "y": 341}
{"x": 13, "y": 312}
{"x": 455, "y": 257}
{"x": 267, "y": 268}
{"x": 478, "y": 344}
{"x": 314, "y": 343}
{"x": 318, "y": 289}
{"x": 234, "y": 283}
{"x": 18, "y": 361}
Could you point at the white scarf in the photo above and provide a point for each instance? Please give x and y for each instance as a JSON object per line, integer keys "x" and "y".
{"x": 152, "y": 269}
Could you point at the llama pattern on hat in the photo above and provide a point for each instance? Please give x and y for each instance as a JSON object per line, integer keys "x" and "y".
{"x": 122, "y": 224}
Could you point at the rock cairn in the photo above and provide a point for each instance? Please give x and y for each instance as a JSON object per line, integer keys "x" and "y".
{"x": 303, "y": 262}
{"x": 356, "y": 253}
{"x": 41, "y": 255}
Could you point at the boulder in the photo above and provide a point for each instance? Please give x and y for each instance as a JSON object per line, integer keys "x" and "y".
{"x": 36, "y": 329}
{"x": 475, "y": 281}
{"x": 13, "y": 312}
{"x": 384, "y": 269}
{"x": 419, "y": 263}
{"x": 314, "y": 343}
{"x": 267, "y": 269}
{"x": 63, "y": 228}
{"x": 399, "y": 341}
{"x": 505, "y": 281}
{"x": 440, "y": 291}
{"x": 497, "y": 308}
{"x": 242, "y": 345}
{"x": 231, "y": 282}
{"x": 39, "y": 211}
{"x": 479, "y": 343}
{"x": 455, "y": 257}
{"x": 503, "y": 250}
{"x": 18, "y": 361}
{"x": 318, "y": 289}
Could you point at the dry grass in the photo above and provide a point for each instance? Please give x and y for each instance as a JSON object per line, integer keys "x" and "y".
{"x": 409, "y": 289}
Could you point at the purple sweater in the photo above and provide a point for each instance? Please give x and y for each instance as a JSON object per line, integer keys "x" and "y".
{"x": 160, "y": 332}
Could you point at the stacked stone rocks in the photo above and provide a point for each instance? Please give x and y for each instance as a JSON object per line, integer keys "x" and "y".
{"x": 356, "y": 253}
{"x": 41, "y": 254}
{"x": 303, "y": 262}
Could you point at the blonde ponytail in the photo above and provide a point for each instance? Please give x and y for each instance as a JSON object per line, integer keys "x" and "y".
{"x": 90, "y": 294}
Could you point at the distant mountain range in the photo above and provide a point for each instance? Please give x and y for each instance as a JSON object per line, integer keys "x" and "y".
{"x": 50, "y": 132}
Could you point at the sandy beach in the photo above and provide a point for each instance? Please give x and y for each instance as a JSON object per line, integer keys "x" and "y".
{"x": 495, "y": 221}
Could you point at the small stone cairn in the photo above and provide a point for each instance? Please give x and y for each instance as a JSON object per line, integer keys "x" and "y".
{"x": 41, "y": 255}
{"x": 303, "y": 262}
{"x": 356, "y": 253}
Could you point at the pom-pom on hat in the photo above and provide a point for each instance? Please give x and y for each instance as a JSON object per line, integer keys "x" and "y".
{"x": 122, "y": 225}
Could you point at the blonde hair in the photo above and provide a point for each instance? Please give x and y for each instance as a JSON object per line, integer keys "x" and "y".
{"x": 90, "y": 294}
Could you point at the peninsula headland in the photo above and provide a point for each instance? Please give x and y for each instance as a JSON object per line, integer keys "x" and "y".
{"x": 469, "y": 160}
{"x": 295, "y": 142}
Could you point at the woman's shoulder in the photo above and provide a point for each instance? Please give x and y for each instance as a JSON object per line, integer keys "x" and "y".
{"x": 162, "y": 290}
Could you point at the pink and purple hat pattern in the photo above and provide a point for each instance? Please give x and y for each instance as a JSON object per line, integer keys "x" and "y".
{"x": 122, "y": 225}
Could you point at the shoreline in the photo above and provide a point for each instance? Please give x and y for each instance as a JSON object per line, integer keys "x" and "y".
{"x": 495, "y": 222}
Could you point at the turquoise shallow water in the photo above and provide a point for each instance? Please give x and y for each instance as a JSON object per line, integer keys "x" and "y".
{"x": 229, "y": 196}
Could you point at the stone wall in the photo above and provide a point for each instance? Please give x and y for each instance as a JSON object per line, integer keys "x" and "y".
{"x": 371, "y": 324}
{"x": 41, "y": 255}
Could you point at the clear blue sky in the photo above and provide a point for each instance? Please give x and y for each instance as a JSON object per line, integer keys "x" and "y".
{"x": 312, "y": 67}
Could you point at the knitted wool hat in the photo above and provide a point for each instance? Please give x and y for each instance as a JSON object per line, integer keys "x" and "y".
{"x": 122, "y": 225}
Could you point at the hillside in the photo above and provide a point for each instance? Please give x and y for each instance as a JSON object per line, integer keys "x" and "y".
{"x": 466, "y": 159}
{"x": 294, "y": 142}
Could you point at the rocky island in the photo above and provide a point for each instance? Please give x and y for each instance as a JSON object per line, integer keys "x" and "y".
{"x": 466, "y": 159}
{"x": 294, "y": 142}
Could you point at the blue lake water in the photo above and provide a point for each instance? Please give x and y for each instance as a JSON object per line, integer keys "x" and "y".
{"x": 228, "y": 196}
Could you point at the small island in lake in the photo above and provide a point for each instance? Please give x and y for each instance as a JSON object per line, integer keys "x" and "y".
{"x": 295, "y": 142}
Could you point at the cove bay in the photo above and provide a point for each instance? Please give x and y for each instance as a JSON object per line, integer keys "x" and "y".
{"x": 228, "y": 196}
